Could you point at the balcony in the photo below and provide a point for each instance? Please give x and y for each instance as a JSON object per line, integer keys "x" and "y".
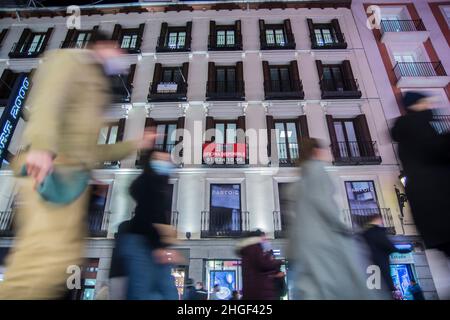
{"x": 278, "y": 46}
{"x": 6, "y": 223}
{"x": 98, "y": 222}
{"x": 399, "y": 31}
{"x": 352, "y": 153}
{"x": 24, "y": 52}
{"x": 279, "y": 223}
{"x": 441, "y": 123}
{"x": 110, "y": 165}
{"x": 332, "y": 43}
{"x": 121, "y": 91}
{"x": 344, "y": 89}
{"x": 171, "y": 47}
{"x": 225, "y": 155}
{"x": 82, "y": 44}
{"x": 283, "y": 90}
{"x": 421, "y": 74}
{"x": 167, "y": 91}
{"x": 288, "y": 154}
{"x": 236, "y": 46}
{"x": 225, "y": 91}
{"x": 234, "y": 224}
{"x": 358, "y": 218}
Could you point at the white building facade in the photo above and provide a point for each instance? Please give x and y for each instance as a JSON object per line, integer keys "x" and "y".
{"x": 303, "y": 68}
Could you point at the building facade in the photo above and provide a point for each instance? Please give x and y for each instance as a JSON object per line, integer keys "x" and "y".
{"x": 225, "y": 73}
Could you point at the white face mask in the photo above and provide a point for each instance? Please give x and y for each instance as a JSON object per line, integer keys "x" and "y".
{"x": 114, "y": 66}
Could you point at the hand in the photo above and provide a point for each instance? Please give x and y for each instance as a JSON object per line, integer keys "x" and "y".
{"x": 148, "y": 140}
{"x": 39, "y": 164}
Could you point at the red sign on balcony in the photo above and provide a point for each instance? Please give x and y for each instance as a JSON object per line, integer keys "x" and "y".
{"x": 229, "y": 153}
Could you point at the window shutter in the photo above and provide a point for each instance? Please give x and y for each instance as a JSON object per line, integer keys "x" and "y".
{"x": 348, "y": 75}
{"x": 288, "y": 29}
{"x": 295, "y": 79}
{"x": 130, "y": 77}
{"x": 241, "y": 125}
{"x": 140, "y": 36}
{"x": 363, "y": 136}
{"x": 333, "y": 137}
{"x": 149, "y": 122}
{"x": 262, "y": 33}
{"x": 121, "y": 130}
{"x": 212, "y": 34}
{"x": 337, "y": 30}
{"x": 116, "y": 33}
{"x": 319, "y": 66}
{"x": 185, "y": 72}
{"x": 94, "y": 33}
{"x": 311, "y": 32}
{"x": 69, "y": 38}
{"x": 22, "y": 40}
{"x": 5, "y": 84}
{"x": 211, "y": 77}
{"x": 188, "y": 35}
{"x": 180, "y": 126}
{"x": 157, "y": 76}
{"x": 303, "y": 127}
{"x": 240, "y": 78}
{"x": 270, "y": 126}
{"x": 3, "y": 35}
{"x": 266, "y": 73}
{"x": 163, "y": 34}
{"x": 47, "y": 37}
{"x": 209, "y": 125}
{"x": 238, "y": 30}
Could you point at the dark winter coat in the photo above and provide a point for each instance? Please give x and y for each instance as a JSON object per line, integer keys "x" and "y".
{"x": 425, "y": 157}
{"x": 257, "y": 271}
{"x": 381, "y": 247}
{"x": 150, "y": 191}
{"x": 117, "y": 269}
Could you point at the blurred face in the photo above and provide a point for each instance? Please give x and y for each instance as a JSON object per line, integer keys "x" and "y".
{"x": 107, "y": 50}
{"x": 163, "y": 156}
{"x": 421, "y": 105}
{"x": 321, "y": 154}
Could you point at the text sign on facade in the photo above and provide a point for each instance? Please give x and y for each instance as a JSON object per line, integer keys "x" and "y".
{"x": 11, "y": 114}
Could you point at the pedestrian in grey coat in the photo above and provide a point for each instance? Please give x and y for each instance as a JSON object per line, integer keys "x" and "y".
{"x": 323, "y": 259}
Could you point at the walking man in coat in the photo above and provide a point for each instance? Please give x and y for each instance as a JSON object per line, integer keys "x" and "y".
{"x": 70, "y": 92}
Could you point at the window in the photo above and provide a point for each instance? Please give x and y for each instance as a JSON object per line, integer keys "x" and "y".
{"x": 82, "y": 39}
{"x": 225, "y": 79}
{"x": 226, "y": 133}
{"x": 166, "y": 136}
{"x": 324, "y": 35}
{"x": 34, "y": 43}
{"x": 108, "y": 134}
{"x": 446, "y": 11}
{"x": 129, "y": 41}
{"x": 346, "y": 138}
{"x": 225, "y": 38}
{"x": 172, "y": 74}
{"x": 287, "y": 141}
{"x": 275, "y": 36}
{"x": 333, "y": 76}
{"x": 176, "y": 39}
{"x": 280, "y": 79}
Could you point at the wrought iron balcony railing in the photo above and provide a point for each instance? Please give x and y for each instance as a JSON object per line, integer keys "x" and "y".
{"x": 355, "y": 153}
{"x": 98, "y": 222}
{"x": 24, "y": 52}
{"x": 214, "y": 45}
{"x": 402, "y": 25}
{"x": 233, "y": 224}
{"x": 288, "y": 154}
{"x": 283, "y": 90}
{"x": 419, "y": 69}
{"x": 340, "y": 89}
{"x": 164, "y": 46}
{"x": 6, "y": 223}
{"x": 82, "y": 44}
{"x": 225, "y": 90}
{"x": 441, "y": 123}
{"x": 278, "y": 45}
{"x": 358, "y": 218}
{"x": 330, "y": 43}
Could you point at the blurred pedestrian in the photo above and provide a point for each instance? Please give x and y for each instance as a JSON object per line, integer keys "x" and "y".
{"x": 70, "y": 91}
{"x": 398, "y": 294}
{"x": 235, "y": 295}
{"x": 189, "y": 291}
{"x": 103, "y": 292}
{"x": 201, "y": 293}
{"x": 145, "y": 248}
{"x": 117, "y": 276}
{"x": 214, "y": 294}
{"x": 324, "y": 262}
{"x": 425, "y": 157}
{"x": 416, "y": 291}
{"x": 381, "y": 248}
{"x": 257, "y": 268}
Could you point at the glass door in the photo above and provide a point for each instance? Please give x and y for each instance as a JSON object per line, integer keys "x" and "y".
{"x": 225, "y": 210}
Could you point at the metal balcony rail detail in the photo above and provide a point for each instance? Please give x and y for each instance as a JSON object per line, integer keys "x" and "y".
{"x": 441, "y": 123}
{"x": 98, "y": 223}
{"x": 283, "y": 89}
{"x": 342, "y": 88}
{"x": 329, "y": 42}
{"x": 224, "y": 90}
{"x": 6, "y": 223}
{"x": 168, "y": 91}
{"x": 288, "y": 154}
{"x": 419, "y": 69}
{"x": 214, "y": 43}
{"x": 355, "y": 153}
{"x": 232, "y": 224}
{"x": 357, "y": 219}
{"x": 402, "y": 25}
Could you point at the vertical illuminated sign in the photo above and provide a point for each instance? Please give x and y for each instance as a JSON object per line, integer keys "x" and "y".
{"x": 11, "y": 114}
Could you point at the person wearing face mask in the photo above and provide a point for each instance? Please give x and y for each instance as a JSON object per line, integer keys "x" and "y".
{"x": 70, "y": 91}
{"x": 144, "y": 248}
